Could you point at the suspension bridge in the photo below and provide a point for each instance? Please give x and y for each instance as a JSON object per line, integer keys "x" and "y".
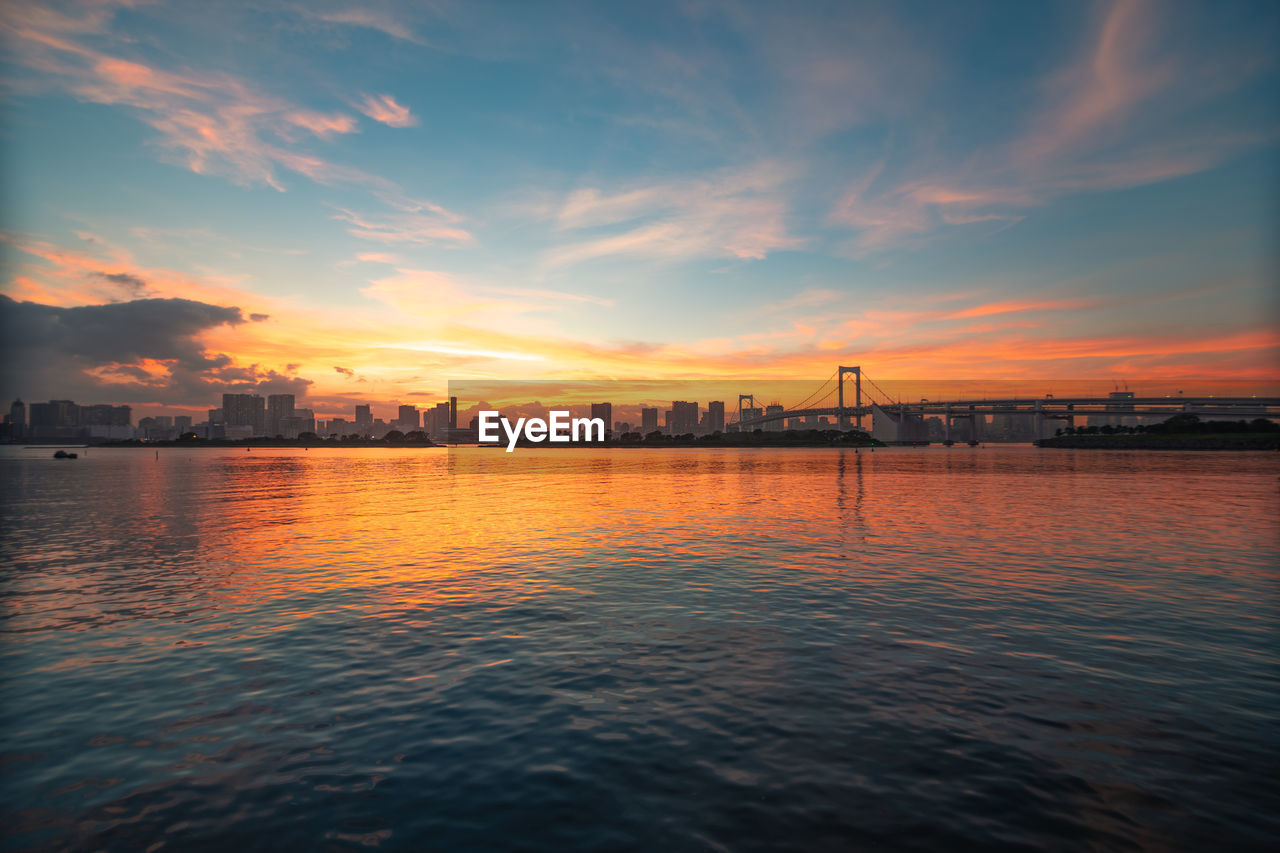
{"x": 899, "y": 420}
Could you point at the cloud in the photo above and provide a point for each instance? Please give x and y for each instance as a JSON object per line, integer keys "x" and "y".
{"x": 209, "y": 122}
{"x": 1099, "y": 92}
{"x": 145, "y": 350}
{"x": 370, "y": 19}
{"x": 384, "y": 108}
{"x": 1124, "y": 111}
{"x": 133, "y": 285}
{"x": 378, "y": 258}
{"x": 1019, "y": 305}
{"x": 543, "y": 293}
{"x": 739, "y": 213}
{"x": 321, "y": 124}
{"x": 430, "y": 226}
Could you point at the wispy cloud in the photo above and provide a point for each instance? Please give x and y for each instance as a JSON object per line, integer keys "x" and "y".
{"x": 374, "y": 19}
{"x": 434, "y": 226}
{"x": 211, "y": 122}
{"x": 322, "y": 124}
{"x": 384, "y": 108}
{"x": 1104, "y": 121}
{"x": 134, "y": 286}
{"x": 441, "y": 298}
{"x": 735, "y": 214}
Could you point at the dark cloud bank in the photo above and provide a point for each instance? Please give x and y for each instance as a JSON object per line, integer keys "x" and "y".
{"x": 46, "y": 352}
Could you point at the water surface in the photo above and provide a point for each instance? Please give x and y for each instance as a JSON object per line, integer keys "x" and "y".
{"x": 696, "y": 649}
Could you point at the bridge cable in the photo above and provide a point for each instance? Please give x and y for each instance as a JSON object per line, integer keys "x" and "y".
{"x": 802, "y": 403}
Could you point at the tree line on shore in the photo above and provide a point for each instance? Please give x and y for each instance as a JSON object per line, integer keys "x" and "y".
{"x": 1184, "y": 424}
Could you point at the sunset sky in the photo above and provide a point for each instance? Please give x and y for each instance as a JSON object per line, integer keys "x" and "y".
{"x": 360, "y": 202}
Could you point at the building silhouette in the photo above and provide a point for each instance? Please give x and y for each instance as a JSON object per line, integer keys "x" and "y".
{"x": 777, "y": 425}
{"x": 715, "y": 416}
{"x": 683, "y": 417}
{"x": 604, "y": 411}
{"x": 243, "y": 415}
{"x": 17, "y": 419}
{"x": 648, "y": 421}
{"x": 279, "y": 408}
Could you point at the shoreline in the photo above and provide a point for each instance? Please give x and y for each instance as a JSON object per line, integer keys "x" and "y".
{"x": 1218, "y": 441}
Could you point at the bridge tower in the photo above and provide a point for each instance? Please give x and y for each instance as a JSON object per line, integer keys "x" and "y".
{"x": 841, "y": 418}
{"x": 742, "y": 397}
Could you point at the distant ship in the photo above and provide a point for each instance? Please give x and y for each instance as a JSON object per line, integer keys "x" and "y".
{"x": 62, "y": 454}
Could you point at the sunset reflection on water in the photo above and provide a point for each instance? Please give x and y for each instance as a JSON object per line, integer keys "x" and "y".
{"x": 694, "y": 648}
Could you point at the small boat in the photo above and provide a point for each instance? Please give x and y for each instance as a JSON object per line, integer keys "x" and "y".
{"x": 973, "y": 442}
{"x": 62, "y": 454}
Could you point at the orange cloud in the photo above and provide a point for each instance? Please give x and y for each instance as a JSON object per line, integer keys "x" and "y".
{"x": 321, "y": 124}
{"x": 214, "y": 123}
{"x": 1021, "y": 305}
{"x": 384, "y": 108}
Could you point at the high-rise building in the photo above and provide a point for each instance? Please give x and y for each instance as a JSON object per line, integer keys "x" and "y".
{"x": 302, "y": 420}
{"x": 279, "y": 408}
{"x": 774, "y": 425}
{"x": 54, "y": 419}
{"x": 244, "y": 410}
{"x": 715, "y": 416}
{"x": 408, "y": 418}
{"x": 648, "y": 420}
{"x": 104, "y": 414}
{"x": 683, "y": 418}
{"x": 182, "y": 424}
{"x": 436, "y": 422}
{"x": 604, "y": 411}
{"x": 18, "y": 419}
{"x": 364, "y": 417}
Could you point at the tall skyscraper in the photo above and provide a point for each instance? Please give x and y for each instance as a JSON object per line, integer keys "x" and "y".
{"x": 408, "y": 418}
{"x": 18, "y": 419}
{"x": 648, "y": 421}
{"x": 604, "y": 411}
{"x": 279, "y": 408}
{"x": 438, "y": 421}
{"x": 364, "y": 417}
{"x": 715, "y": 416}
{"x": 244, "y": 410}
{"x": 684, "y": 417}
{"x": 774, "y": 425}
{"x": 54, "y": 419}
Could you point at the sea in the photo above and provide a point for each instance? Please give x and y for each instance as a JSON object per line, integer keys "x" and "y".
{"x": 703, "y": 649}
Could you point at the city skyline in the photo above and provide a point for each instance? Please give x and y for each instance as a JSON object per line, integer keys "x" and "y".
{"x": 582, "y": 191}
{"x": 1011, "y": 417}
{"x": 525, "y": 395}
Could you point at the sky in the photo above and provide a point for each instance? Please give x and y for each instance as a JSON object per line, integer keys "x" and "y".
{"x": 362, "y": 202}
